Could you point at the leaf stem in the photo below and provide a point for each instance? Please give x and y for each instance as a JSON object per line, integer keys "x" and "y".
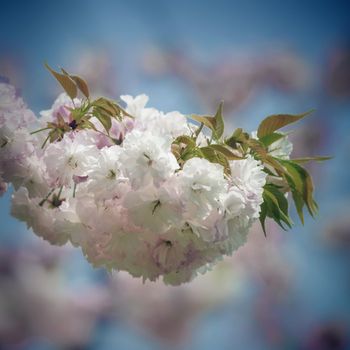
{"x": 36, "y": 131}
{"x": 43, "y": 145}
{"x": 59, "y": 192}
{"x": 46, "y": 198}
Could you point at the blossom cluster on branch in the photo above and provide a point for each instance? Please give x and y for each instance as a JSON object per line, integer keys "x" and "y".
{"x": 152, "y": 193}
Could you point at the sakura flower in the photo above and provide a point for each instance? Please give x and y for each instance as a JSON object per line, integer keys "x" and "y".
{"x": 9, "y": 100}
{"x": 172, "y": 124}
{"x": 181, "y": 254}
{"x": 169, "y": 255}
{"x": 154, "y": 209}
{"x": 236, "y": 229}
{"x": 52, "y": 221}
{"x": 33, "y": 176}
{"x": 105, "y": 178}
{"x": 248, "y": 176}
{"x": 14, "y": 113}
{"x": 16, "y": 143}
{"x": 102, "y": 219}
{"x": 146, "y": 158}
{"x": 67, "y": 158}
{"x": 16, "y": 147}
{"x": 169, "y": 125}
{"x": 201, "y": 184}
{"x": 135, "y": 106}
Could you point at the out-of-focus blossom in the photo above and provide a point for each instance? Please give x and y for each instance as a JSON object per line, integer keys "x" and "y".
{"x": 232, "y": 79}
{"x": 99, "y": 70}
{"x": 337, "y": 75}
{"x": 37, "y": 303}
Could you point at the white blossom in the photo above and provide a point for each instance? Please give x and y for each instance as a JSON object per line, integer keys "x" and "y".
{"x": 53, "y": 223}
{"x": 146, "y": 158}
{"x": 249, "y": 178}
{"x": 202, "y": 184}
{"x": 67, "y": 158}
{"x": 105, "y": 179}
{"x": 154, "y": 209}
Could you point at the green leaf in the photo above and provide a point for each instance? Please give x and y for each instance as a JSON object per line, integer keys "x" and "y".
{"x": 198, "y": 131}
{"x": 302, "y": 183}
{"x": 190, "y": 152}
{"x": 310, "y": 159}
{"x": 225, "y": 151}
{"x": 176, "y": 150}
{"x": 214, "y": 156}
{"x": 82, "y": 85}
{"x": 282, "y": 200}
{"x": 77, "y": 114}
{"x": 237, "y": 133}
{"x": 276, "y": 207}
{"x": 299, "y": 204}
{"x": 86, "y": 124}
{"x": 206, "y": 120}
{"x": 267, "y": 140}
{"x": 272, "y": 210}
{"x": 219, "y": 121}
{"x": 274, "y": 162}
{"x": 106, "y": 122}
{"x": 66, "y": 82}
{"x": 258, "y": 148}
{"x": 238, "y": 136}
{"x": 215, "y": 124}
{"x": 296, "y": 185}
{"x": 64, "y": 71}
{"x": 187, "y": 140}
{"x": 108, "y": 106}
{"x": 104, "y": 118}
{"x": 308, "y": 196}
{"x": 209, "y": 154}
{"x": 222, "y": 160}
{"x": 277, "y": 121}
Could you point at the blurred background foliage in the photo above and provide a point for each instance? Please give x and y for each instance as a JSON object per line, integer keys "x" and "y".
{"x": 289, "y": 291}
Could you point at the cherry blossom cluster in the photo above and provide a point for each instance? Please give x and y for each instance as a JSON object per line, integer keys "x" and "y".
{"x": 128, "y": 195}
